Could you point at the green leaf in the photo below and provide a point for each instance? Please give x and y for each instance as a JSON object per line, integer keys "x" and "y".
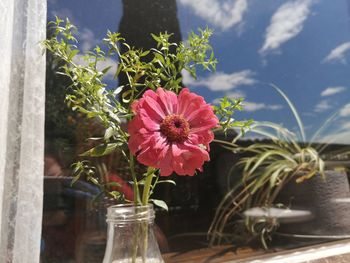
{"x": 73, "y": 53}
{"x": 110, "y": 131}
{"x": 115, "y": 194}
{"x": 105, "y": 70}
{"x": 126, "y": 45}
{"x": 119, "y": 68}
{"x": 93, "y": 180}
{"x": 276, "y": 175}
{"x": 102, "y": 149}
{"x": 270, "y": 154}
{"x": 118, "y": 90}
{"x": 293, "y": 109}
{"x": 126, "y": 97}
{"x": 155, "y": 37}
{"x": 145, "y": 53}
{"x": 324, "y": 126}
{"x": 166, "y": 181}
{"x": 160, "y": 203}
{"x": 95, "y": 138}
{"x": 74, "y": 180}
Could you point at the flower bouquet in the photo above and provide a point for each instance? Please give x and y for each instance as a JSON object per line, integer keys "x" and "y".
{"x": 151, "y": 120}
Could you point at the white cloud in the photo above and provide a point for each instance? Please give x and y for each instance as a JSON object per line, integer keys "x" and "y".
{"x": 235, "y": 94}
{"x": 286, "y": 23}
{"x": 87, "y": 39}
{"x": 78, "y": 59}
{"x": 340, "y": 135}
{"x": 309, "y": 114}
{"x": 223, "y": 14}
{"x": 187, "y": 79}
{"x": 322, "y": 106}
{"x": 221, "y": 81}
{"x": 65, "y": 13}
{"x": 332, "y": 90}
{"x": 216, "y": 101}
{"x": 274, "y": 107}
{"x": 253, "y": 106}
{"x": 345, "y": 111}
{"x": 340, "y": 132}
{"x": 346, "y": 126}
{"x": 338, "y": 53}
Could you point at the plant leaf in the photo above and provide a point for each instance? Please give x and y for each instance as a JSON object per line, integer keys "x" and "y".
{"x": 293, "y": 109}
{"x": 160, "y": 203}
{"x": 102, "y": 149}
{"x": 166, "y": 181}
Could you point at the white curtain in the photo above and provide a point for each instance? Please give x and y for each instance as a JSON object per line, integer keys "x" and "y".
{"x": 22, "y": 106}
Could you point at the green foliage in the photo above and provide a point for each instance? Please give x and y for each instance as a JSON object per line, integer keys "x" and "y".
{"x": 89, "y": 95}
{"x": 266, "y": 167}
{"x": 165, "y": 63}
{"x": 83, "y": 170}
{"x": 225, "y": 110}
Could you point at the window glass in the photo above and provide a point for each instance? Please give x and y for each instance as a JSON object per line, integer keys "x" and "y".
{"x": 301, "y": 47}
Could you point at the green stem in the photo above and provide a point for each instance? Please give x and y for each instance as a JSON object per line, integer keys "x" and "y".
{"x": 135, "y": 247}
{"x": 147, "y": 185}
{"x": 224, "y": 142}
{"x": 133, "y": 175}
{"x": 145, "y": 240}
{"x": 122, "y": 62}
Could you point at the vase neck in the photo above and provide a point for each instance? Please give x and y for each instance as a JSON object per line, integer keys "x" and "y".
{"x": 131, "y": 237}
{"x": 129, "y": 213}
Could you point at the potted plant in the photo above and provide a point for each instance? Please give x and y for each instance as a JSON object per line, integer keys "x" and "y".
{"x": 283, "y": 179}
{"x": 151, "y": 121}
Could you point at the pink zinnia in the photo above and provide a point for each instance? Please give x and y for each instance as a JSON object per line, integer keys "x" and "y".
{"x": 172, "y": 132}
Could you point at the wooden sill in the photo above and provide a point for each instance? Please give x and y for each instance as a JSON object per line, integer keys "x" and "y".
{"x": 338, "y": 251}
{"x": 212, "y": 254}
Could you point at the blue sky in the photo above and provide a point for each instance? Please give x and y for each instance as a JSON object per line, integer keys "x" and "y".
{"x": 302, "y": 46}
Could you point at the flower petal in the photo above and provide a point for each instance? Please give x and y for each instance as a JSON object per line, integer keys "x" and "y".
{"x": 154, "y": 106}
{"x": 168, "y": 99}
{"x": 154, "y": 148}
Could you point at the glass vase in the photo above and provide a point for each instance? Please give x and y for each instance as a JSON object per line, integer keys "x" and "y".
{"x": 131, "y": 237}
{"x": 92, "y": 239}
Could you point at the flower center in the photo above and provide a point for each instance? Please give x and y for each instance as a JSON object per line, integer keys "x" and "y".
{"x": 175, "y": 127}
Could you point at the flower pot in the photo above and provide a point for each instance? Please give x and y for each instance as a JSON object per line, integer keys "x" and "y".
{"x": 329, "y": 201}
{"x": 130, "y": 235}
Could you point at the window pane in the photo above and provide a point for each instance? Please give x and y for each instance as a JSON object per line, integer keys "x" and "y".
{"x": 300, "y": 47}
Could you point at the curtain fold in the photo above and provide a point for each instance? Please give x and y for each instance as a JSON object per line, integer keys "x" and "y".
{"x": 22, "y": 107}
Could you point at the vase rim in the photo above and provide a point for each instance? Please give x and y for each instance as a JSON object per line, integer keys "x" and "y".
{"x": 130, "y": 205}
{"x": 124, "y": 213}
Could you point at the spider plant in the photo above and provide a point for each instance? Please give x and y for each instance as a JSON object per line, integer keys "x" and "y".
{"x": 267, "y": 167}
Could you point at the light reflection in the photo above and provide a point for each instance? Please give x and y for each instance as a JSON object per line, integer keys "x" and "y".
{"x": 340, "y": 200}
{"x": 305, "y": 255}
{"x": 282, "y": 215}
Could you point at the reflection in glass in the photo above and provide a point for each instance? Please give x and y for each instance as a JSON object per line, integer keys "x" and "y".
{"x": 302, "y": 46}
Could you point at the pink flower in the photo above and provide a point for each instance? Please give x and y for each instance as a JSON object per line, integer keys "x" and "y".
{"x": 172, "y": 132}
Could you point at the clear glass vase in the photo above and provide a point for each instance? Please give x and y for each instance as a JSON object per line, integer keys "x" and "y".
{"x": 131, "y": 236}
